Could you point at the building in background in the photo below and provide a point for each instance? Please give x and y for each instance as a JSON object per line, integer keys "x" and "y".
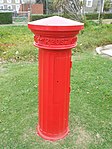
{"x": 34, "y": 8}
{"x": 11, "y": 5}
{"x": 91, "y": 6}
{"x": 45, "y": 6}
{"x": 21, "y": 5}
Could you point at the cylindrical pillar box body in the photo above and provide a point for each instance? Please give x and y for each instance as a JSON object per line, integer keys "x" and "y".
{"x": 55, "y": 37}
{"x": 54, "y": 89}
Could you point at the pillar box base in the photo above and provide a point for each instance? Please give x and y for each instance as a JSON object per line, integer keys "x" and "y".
{"x": 51, "y": 137}
{"x": 55, "y": 37}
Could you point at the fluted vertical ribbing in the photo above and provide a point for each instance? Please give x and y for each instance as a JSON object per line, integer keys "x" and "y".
{"x": 54, "y": 84}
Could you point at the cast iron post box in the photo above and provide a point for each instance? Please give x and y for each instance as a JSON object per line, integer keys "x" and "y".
{"x": 55, "y": 37}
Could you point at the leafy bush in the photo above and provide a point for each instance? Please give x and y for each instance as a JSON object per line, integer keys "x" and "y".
{"x": 107, "y": 15}
{"x": 94, "y": 16}
{"x": 89, "y": 16}
{"x": 5, "y": 17}
{"x": 37, "y": 17}
{"x": 107, "y": 5}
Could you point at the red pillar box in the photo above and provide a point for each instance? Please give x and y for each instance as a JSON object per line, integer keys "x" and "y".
{"x": 55, "y": 37}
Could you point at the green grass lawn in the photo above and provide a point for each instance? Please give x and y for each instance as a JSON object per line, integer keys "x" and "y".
{"x": 90, "y": 119}
{"x": 90, "y": 107}
{"x": 16, "y": 42}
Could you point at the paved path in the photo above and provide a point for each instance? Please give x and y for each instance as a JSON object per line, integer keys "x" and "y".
{"x": 105, "y": 21}
{"x": 105, "y": 50}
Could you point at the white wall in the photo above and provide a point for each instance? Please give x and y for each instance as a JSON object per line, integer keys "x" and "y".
{"x": 28, "y": 1}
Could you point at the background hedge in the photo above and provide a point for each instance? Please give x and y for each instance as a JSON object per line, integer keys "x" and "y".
{"x": 107, "y": 15}
{"x": 5, "y": 17}
{"x": 37, "y": 17}
{"x": 92, "y": 16}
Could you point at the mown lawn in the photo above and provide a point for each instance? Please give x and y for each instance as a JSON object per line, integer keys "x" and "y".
{"x": 16, "y": 42}
{"x": 90, "y": 118}
{"x": 90, "y": 107}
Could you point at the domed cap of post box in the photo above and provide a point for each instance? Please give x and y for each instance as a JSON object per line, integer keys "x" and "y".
{"x": 55, "y": 23}
{"x": 55, "y": 32}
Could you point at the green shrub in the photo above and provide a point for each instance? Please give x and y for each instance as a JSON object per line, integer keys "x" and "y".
{"x": 5, "y": 17}
{"x": 89, "y": 16}
{"x": 94, "y": 16}
{"x": 107, "y": 15}
{"x": 37, "y": 17}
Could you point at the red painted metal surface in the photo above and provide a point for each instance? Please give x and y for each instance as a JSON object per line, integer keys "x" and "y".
{"x": 55, "y": 37}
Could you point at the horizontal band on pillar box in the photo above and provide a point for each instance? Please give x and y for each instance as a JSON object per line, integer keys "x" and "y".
{"x": 55, "y": 43}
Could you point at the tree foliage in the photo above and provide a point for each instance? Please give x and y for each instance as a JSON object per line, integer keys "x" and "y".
{"x": 39, "y": 1}
{"x": 107, "y": 5}
{"x": 72, "y": 8}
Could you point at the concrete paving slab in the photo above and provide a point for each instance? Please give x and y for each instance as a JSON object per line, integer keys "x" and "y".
{"x": 105, "y": 50}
